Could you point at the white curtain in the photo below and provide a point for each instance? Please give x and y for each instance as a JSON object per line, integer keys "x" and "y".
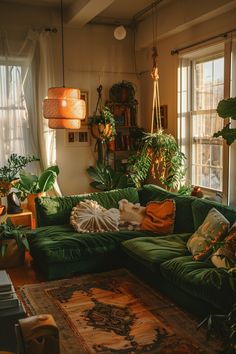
{"x": 15, "y": 132}
{"x": 26, "y": 74}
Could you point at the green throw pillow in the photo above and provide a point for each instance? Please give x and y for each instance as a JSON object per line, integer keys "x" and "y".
{"x": 214, "y": 228}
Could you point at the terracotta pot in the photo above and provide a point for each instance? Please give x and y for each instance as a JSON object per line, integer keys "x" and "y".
{"x": 14, "y": 256}
{"x": 111, "y": 146}
{"x": 99, "y": 131}
{"x": 31, "y": 201}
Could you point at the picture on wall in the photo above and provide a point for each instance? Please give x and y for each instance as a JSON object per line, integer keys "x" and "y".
{"x": 84, "y": 96}
{"x": 78, "y": 138}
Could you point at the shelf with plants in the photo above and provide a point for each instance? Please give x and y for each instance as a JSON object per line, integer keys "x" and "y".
{"x": 124, "y": 107}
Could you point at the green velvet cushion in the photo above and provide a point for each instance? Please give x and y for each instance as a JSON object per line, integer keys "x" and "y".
{"x": 61, "y": 244}
{"x": 183, "y": 218}
{"x": 152, "y": 251}
{"x": 56, "y": 210}
{"x": 201, "y": 280}
{"x": 201, "y": 207}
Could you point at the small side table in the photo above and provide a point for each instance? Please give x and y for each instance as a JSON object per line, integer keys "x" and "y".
{"x": 25, "y": 218}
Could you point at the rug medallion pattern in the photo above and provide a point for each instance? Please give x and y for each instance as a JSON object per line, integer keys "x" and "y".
{"x": 113, "y": 312}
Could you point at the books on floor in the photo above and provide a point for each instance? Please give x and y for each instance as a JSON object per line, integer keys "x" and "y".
{"x": 8, "y": 298}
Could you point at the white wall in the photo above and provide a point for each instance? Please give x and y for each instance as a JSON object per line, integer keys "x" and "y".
{"x": 92, "y": 56}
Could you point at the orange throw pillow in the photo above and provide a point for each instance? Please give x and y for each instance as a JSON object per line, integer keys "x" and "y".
{"x": 160, "y": 217}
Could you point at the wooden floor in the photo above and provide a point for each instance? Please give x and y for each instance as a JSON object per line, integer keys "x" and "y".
{"x": 25, "y": 274}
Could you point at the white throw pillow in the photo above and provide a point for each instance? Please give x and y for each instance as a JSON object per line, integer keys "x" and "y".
{"x": 88, "y": 216}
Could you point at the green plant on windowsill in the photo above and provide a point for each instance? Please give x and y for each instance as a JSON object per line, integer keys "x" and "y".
{"x": 227, "y": 109}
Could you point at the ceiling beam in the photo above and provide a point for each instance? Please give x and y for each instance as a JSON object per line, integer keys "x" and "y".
{"x": 81, "y": 12}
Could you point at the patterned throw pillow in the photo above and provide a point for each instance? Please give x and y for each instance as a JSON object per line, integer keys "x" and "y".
{"x": 214, "y": 228}
{"x": 160, "y": 217}
{"x": 89, "y": 216}
{"x": 225, "y": 256}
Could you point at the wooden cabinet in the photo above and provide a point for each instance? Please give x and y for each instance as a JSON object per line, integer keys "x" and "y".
{"x": 125, "y": 115}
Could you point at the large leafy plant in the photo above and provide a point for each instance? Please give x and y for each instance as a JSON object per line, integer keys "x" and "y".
{"x": 106, "y": 179}
{"x": 32, "y": 184}
{"x": 9, "y": 231}
{"x": 227, "y": 109}
{"x": 160, "y": 155}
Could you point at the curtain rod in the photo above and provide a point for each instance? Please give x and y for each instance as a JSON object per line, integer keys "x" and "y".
{"x": 225, "y": 34}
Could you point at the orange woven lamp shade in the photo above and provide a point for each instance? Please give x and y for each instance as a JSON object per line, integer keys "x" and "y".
{"x": 64, "y": 123}
{"x": 64, "y": 104}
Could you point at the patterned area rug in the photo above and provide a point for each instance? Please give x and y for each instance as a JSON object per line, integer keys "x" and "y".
{"x": 114, "y": 312}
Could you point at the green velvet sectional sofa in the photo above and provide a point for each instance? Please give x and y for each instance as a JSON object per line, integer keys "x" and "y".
{"x": 164, "y": 261}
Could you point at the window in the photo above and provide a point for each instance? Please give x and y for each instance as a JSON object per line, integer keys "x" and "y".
{"x": 14, "y": 132}
{"x": 207, "y": 152}
{"x": 200, "y": 88}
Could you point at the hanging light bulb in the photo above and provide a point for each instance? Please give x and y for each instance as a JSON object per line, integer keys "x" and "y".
{"x": 63, "y": 106}
{"x": 120, "y": 32}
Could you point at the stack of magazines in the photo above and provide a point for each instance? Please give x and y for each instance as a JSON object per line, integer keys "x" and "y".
{"x": 8, "y": 298}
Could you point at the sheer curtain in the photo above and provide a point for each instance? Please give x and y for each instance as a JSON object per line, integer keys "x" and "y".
{"x": 26, "y": 73}
{"x": 15, "y": 132}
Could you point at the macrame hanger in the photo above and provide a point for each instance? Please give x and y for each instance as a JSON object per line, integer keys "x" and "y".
{"x": 156, "y": 113}
{"x": 99, "y": 101}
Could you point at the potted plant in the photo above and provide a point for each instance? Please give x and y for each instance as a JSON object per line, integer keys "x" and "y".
{"x": 106, "y": 179}
{"x": 159, "y": 154}
{"x": 13, "y": 242}
{"x": 9, "y": 172}
{"x": 227, "y": 109}
{"x": 103, "y": 125}
{"x": 123, "y": 91}
{"x": 31, "y": 186}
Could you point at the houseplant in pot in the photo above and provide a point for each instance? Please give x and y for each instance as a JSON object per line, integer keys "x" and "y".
{"x": 160, "y": 156}
{"x": 13, "y": 242}
{"x": 31, "y": 186}
{"x": 123, "y": 91}
{"x": 10, "y": 172}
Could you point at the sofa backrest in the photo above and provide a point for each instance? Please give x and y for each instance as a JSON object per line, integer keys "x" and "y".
{"x": 57, "y": 210}
{"x": 190, "y": 211}
{"x": 201, "y": 207}
{"x": 184, "y": 216}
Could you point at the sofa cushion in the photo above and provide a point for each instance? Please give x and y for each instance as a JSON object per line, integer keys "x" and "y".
{"x": 61, "y": 243}
{"x": 89, "y": 216}
{"x": 213, "y": 229}
{"x": 201, "y": 207}
{"x": 225, "y": 256}
{"x": 152, "y": 251}
{"x": 56, "y": 210}
{"x": 201, "y": 280}
{"x": 159, "y": 217}
{"x": 184, "y": 218}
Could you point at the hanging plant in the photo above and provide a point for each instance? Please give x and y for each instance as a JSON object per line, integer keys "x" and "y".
{"x": 160, "y": 155}
{"x": 103, "y": 125}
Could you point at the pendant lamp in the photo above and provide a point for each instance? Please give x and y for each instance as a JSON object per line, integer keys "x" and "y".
{"x": 63, "y": 107}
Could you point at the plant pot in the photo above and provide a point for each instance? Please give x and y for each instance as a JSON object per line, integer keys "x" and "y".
{"x": 31, "y": 201}
{"x": 101, "y": 131}
{"x": 111, "y": 145}
{"x": 14, "y": 256}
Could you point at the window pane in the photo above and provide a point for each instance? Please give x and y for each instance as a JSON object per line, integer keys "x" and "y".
{"x": 207, "y": 152}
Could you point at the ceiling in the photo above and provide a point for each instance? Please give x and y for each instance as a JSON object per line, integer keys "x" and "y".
{"x": 80, "y": 12}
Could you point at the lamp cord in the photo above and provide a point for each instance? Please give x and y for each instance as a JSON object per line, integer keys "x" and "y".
{"x": 62, "y": 47}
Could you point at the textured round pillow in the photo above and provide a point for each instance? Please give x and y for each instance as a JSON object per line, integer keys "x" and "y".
{"x": 89, "y": 216}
